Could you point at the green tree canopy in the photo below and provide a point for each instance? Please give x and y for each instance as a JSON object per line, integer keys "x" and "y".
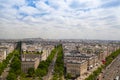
{"x": 11, "y": 76}
{"x": 31, "y": 71}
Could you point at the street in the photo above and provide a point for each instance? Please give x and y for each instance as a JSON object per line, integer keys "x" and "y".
{"x": 6, "y": 71}
{"x": 112, "y": 71}
{"x": 51, "y": 68}
{"x": 82, "y": 77}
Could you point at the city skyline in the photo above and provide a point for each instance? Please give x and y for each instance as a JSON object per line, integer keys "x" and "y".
{"x": 63, "y": 19}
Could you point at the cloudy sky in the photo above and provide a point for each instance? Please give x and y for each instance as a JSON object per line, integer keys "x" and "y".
{"x": 56, "y": 19}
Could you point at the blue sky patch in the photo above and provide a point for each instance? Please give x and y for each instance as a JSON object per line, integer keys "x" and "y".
{"x": 16, "y": 7}
{"x": 47, "y": 2}
{"x": 31, "y": 3}
{"x": 113, "y": 3}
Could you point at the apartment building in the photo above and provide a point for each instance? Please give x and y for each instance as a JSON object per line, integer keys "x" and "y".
{"x": 76, "y": 68}
{"x": 29, "y": 61}
{"x": 3, "y": 53}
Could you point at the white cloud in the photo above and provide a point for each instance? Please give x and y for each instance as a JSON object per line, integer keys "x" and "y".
{"x": 28, "y": 10}
{"x": 42, "y": 6}
{"x": 59, "y": 19}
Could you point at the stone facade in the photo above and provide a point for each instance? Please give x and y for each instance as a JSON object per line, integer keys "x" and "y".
{"x": 29, "y": 61}
{"x": 3, "y": 54}
{"x": 76, "y": 68}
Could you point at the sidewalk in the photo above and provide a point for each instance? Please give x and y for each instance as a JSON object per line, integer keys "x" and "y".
{"x": 6, "y": 70}
{"x": 51, "y": 68}
{"x": 83, "y": 77}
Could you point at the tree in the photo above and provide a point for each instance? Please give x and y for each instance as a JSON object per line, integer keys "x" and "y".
{"x": 16, "y": 65}
{"x": 11, "y": 76}
{"x": 40, "y": 72}
{"x": 68, "y": 76}
{"x": 59, "y": 65}
{"x": 31, "y": 71}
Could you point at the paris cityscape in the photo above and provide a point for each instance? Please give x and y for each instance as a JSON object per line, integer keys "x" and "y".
{"x": 59, "y": 40}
